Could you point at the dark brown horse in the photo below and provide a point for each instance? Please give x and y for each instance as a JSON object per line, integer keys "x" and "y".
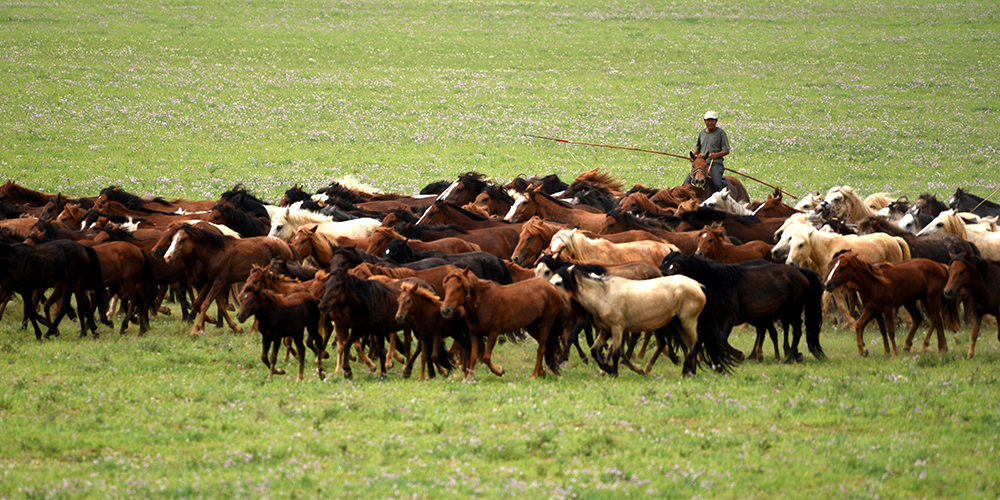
{"x": 279, "y": 317}
{"x": 884, "y": 287}
{"x": 774, "y": 206}
{"x": 420, "y": 306}
{"x": 981, "y": 278}
{"x": 378, "y": 242}
{"x": 537, "y": 203}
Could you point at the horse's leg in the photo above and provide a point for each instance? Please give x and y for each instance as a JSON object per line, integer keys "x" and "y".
{"x": 796, "y": 323}
{"x": 977, "y": 321}
{"x": 222, "y": 304}
{"x": 661, "y": 345}
{"x": 916, "y": 320}
{"x": 31, "y": 315}
{"x": 289, "y": 350}
{"x": 358, "y": 348}
{"x": 488, "y": 355}
{"x": 408, "y": 367}
{"x": 840, "y": 298}
{"x": 888, "y": 329}
{"x": 475, "y": 343}
{"x": 275, "y": 346}
{"x": 595, "y": 351}
{"x": 351, "y": 339}
{"x": 859, "y": 328}
{"x": 933, "y": 304}
{"x": 209, "y": 292}
{"x": 300, "y": 355}
{"x": 645, "y": 344}
{"x": 63, "y": 306}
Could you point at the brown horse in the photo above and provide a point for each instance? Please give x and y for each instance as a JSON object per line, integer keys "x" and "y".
{"x": 536, "y": 234}
{"x": 774, "y": 206}
{"x": 224, "y": 260}
{"x": 378, "y": 242}
{"x": 981, "y": 278}
{"x": 701, "y": 180}
{"x": 494, "y": 200}
{"x": 713, "y": 244}
{"x": 420, "y": 306}
{"x": 884, "y": 287}
{"x": 640, "y": 203}
{"x": 491, "y": 309}
{"x": 280, "y": 317}
{"x": 537, "y": 203}
{"x": 673, "y": 197}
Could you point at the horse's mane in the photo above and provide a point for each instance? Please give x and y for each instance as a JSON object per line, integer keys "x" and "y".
{"x": 21, "y": 195}
{"x": 865, "y": 267}
{"x": 707, "y": 215}
{"x": 550, "y": 183}
{"x": 495, "y": 191}
{"x": 671, "y": 197}
{"x": 416, "y": 232}
{"x": 553, "y": 199}
{"x": 353, "y": 255}
{"x": 10, "y": 211}
{"x": 444, "y": 205}
{"x": 639, "y": 188}
{"x": 116, "y": 193}
{"x": 242, "y": 200}
{"x": 594, "y": 176}
{"x": 476, "y": 180}
{"x": 715, "y": 276}
{"x": 299, "y": 216}
{"x": 295, "y": 193}
{"x": 377, "y": 270}
{"x": 852, "y": 208}
{"x": 242, "y": 222}
{"x": 420, "y": 288}
{"x": 401, "y": 251}
{"x": 641, "y": 200}
{"x": 206, "y": 238}
{"x": 597, "y": 196}
{"x": 297, "y": 270}
{"x": 878, "y": 201}
{"x": 339, "y": 191}
{"x": 322, "y": 247}
{"x": 476, "y": 209}
{"x": 9, "y": 236}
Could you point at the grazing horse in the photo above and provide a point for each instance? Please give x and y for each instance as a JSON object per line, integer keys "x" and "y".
{"x": 988, "y": 242}
{"x": 846, "y": 205}
{"x": 723, "y": 201}
{"x": 537, "y": 203}
{"x": 884, "y": 287}
{"x": 579, "y": 247}
{"x": 757, "y": 293}
{"x": 285, "y": 221}
{"x": 491, "y": 309}
{"x": 713, "y": 244}
{"x": 74, "y": 267}
{"x": 962, "y": 201}
{"x": 981, "y": 278}
{"x": 619, "y": 305}
{"x": 223, "y": 260}
{"x": 701, "y": 180}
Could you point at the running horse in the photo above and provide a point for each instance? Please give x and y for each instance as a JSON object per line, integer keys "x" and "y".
{"x": 981, "y": 278}
{"x": 701, "y": 180}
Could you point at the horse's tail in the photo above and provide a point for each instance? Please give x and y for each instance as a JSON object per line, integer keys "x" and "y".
{"x": 904, "y": 247}
{"x": 949, "y": 310}
{"x": 553, "y": 343}
{"x": 814, "y": 312}
{"x": 719, "y": 354}
{"x": 93, "y": 279}
{"x": 505, "y": 276}
{"x": 150, "y": 290}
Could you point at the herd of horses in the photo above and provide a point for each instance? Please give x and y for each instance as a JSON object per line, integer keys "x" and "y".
{"x": 478, "y": 263}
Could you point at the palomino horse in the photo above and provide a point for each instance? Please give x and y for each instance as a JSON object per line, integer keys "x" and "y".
{"x": 988, "y": 242}
{"x": 224, "y": 260}
{"x": 701, "y": 180}
{"x": 713, "y": 244}
{"x": 846, "y": 205}
{"x": 491, "y": 309}
{"x": 619, "y": 305}
{"x": 981, "y": 278}
{"x": 884, "y": 287}
{"x": 574, "y": 245}
{"x": 285, "y": 221}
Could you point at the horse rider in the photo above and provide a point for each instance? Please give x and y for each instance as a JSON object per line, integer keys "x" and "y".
{"x": 714, "y": 141}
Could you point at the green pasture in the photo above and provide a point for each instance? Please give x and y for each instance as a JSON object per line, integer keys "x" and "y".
{"x": 188, "y": 97}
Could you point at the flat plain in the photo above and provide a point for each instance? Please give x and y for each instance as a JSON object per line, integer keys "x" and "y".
{"x": 186, "y": 99}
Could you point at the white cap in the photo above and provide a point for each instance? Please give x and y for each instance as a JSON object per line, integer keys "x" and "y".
{"x": 711, "y": 114}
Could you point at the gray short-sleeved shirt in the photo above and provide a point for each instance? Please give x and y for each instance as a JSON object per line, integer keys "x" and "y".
{"x": 712, "y": 142}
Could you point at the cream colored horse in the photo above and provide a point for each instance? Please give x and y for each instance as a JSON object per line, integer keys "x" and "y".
{"x": 571, "y": 244}
{"x": 986, "y": 240}
{"x": 286, "y": 221}
{"x": 846, "y": 205}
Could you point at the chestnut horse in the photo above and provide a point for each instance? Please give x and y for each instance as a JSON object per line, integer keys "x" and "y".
{"x": 701, "y": 180}
{"x": 884, "y": 287}
{"x": 420, "y": 306}
{"x": 491, "y": 309}
{"x": 378, "y": 242}
{"x": 547, "y": 207}
{"x": 981, "y": 278}
{"x": 713, "y": 244}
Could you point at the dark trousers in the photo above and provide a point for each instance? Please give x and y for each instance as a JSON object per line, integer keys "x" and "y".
{"x": 716, "y": 172}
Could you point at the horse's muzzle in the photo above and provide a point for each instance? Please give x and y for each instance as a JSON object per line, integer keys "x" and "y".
{"x": 829, "y": 285}
{"x": 950, "y": 293}
{"x": 448, "y": 311}
{"x": 401, "y": 318}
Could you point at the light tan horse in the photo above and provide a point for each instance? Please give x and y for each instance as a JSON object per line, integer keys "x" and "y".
{"x": 285, "y": 221}
{"x": 846, "y": 205}
{"x": 571, "y": 244}
{"x": 988, "y": 242}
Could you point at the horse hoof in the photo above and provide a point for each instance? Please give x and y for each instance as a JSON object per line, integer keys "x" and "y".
{"x": 238, "y": 329}
{"x": 279, "y": 371}
{"x": 348, "y": 375}
{"x": 864, "y": 354}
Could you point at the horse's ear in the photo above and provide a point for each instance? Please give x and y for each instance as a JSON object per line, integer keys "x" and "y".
{"x": 692, "y": 155}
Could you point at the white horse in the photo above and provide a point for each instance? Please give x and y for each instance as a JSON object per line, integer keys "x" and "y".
{"x": 286, "y": 221}
{"x": 724, "y": 201}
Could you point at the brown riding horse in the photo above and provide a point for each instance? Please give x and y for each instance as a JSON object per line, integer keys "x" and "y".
{"x": 491, "y": 309}
{"x": 884, "y": 287}
{"x": 701, "y": 180}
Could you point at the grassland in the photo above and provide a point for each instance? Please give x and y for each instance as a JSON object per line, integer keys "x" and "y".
{"x": 187, "y": 98}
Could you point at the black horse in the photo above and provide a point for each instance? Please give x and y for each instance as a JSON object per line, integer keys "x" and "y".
{"x": 485, "y": 265}
{"x": 758, "y": 293}
{"x": 63, "y": 263}
{"x": 968, "y": 202}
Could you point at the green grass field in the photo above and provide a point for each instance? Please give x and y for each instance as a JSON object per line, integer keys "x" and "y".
{"x": 188, "y": 98}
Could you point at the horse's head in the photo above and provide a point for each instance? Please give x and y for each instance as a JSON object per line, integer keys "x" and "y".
{"x": 334, "y": 290}
{"x": 378, "y": 242}
{"x": 799, "y": 246}
{"x": 699, "y": 170}
{"x": 217, "y": 215}
{"x": 459, "y": 289}
{"x": 959, "y": 274}
{"x": 531, "y": 243}
{"x": 411, "y": 292}
{"x": 180, "y": 245}
{"x": 279, "y": 225}
{"x": 709, "y": 241}
{"x": 843, "y": 268}
{"x": 523, "y": 208}
{"x": 945, "y": 222}
{"x": 302, "y": 241}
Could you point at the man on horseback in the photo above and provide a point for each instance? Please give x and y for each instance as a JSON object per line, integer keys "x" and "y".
{"x": 713, "y": 141}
